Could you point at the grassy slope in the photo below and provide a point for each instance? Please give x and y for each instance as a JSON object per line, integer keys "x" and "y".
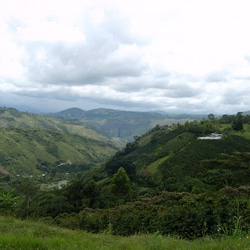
{"x": 16, "y": 234}
{"x": 27, "y": 149}
{"x": 28, "y": 141}
{"x": 13, "y": 118}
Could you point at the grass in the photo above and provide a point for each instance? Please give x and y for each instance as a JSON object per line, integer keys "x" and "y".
{"x": 246, "y": 132}
{"x": 153, "y": 166}
{"x": 17, "y": 234}
{"x": 22, "y": 151}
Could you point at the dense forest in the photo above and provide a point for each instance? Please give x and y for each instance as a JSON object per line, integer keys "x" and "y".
{"x": 188, "y": 180}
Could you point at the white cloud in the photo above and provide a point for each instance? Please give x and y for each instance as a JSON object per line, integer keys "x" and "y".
{"x": 51, "y": 32}
{"x": 182, "y": 55}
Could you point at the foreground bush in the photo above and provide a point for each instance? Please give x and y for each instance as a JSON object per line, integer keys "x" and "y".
{"x": 183, "y": 215}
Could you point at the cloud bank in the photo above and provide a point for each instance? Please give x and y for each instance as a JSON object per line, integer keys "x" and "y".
{"x": 176, "y": 56}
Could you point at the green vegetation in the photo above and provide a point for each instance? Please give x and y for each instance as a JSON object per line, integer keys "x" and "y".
{"x": 30, "y": 152}
{"x": 8, "y": 202}
{"x": 16, "y": 234}
{"x": 120, "y": 183}
{"x": 46, "y": 149}
{"x": 12, "y": 118}
{"x": 185, "y": 181}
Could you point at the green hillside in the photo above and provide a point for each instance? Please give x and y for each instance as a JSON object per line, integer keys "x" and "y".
{"x": 35, "y": 145}
{"x": 174, "y": 159}
{"x": 12, "y": 118}
{"x": 189, "y": 181}
{"x": 31, "y": 152}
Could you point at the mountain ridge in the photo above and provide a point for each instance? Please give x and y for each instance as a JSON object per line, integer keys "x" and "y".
{"x": 121, "y": 124}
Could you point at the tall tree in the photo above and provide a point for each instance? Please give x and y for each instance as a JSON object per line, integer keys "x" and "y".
{"x": 237, "y": 124}
{"x": 121, "y": 182}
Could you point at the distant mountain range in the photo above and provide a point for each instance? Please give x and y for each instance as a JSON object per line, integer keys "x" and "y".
{"x": 122, "y": 124}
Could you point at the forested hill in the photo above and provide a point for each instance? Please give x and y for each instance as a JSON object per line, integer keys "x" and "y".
{"x": 189, "y": 180}
{"x": 177, "y": 158}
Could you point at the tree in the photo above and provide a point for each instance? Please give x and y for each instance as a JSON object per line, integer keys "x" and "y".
{"x": 28, "y": 190}
{"x": 237, "y": 124}
{"x": 239, "y": 115}
{"x": 211, "y": 117}
{"x": 121, "y": 182}
{"x": 7, "y": 201}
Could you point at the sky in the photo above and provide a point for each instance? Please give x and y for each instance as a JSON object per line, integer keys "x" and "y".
{"x": 178, "y": 56}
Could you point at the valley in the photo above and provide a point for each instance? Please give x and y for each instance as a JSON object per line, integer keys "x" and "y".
{"x": 166, "y": 180}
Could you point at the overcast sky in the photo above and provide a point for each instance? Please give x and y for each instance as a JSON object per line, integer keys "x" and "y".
{"x": 185, "y": 56}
